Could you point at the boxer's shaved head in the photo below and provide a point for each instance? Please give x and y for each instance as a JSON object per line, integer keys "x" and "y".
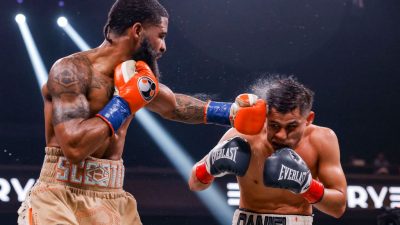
{"x": 125, "y": 13}
{"x": 284, "y": 93}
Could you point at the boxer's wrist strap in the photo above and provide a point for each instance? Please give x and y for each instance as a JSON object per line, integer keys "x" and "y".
{"x": 115, "y": 113}
{"x": 202, "y": 174}
{"x": 315, "y": 193}
{"x": 218, "y": 113}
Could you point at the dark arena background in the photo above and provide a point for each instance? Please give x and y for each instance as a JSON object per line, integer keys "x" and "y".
{"x": 347, "y": 51}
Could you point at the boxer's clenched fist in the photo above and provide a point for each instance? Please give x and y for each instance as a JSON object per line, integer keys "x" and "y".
{"x": 135, "y": 86}
{"x": 247, "y": 114}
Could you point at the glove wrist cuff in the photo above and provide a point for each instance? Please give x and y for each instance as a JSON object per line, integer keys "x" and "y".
{"x": 315, "y": 193}
{"x": 115, "y": 113}
{"x": 202, "y": 174}
{"x": 218, "y": 113}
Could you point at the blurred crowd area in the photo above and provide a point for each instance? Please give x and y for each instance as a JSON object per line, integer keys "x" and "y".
{"x": 381, "y": 164}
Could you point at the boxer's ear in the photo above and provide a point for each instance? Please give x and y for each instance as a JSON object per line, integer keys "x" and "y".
{"x": 136, "y": 30}
{"x": 310, "y": 118}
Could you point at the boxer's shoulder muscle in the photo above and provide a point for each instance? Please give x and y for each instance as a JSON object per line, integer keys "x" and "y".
{"x": 321, "y": 137}
{"x": 68, "y": 84}
{"x": 71, "y": 75}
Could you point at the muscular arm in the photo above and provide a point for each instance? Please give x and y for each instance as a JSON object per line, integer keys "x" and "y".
{"x": 77, "y": 134}
{"x": 178, "y": 107}
{"x": 330, "y": 173}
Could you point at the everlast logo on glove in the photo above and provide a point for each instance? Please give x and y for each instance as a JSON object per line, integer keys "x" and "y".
{"x": 229, "y": 157}
{"x": 287, "y": 173}
{"x": 286, "y": 169}
{"x": 224, "y": 153}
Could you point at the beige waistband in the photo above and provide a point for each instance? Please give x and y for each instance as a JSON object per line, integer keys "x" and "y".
{"x": 243, "y": 217}
{"x": 92, "y": 173}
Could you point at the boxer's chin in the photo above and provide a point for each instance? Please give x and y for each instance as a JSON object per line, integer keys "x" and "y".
{"x": 277, "y": 146}
{"x": 147, "y": 54}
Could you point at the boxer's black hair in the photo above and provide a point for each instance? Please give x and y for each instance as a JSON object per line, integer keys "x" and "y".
{"x": 284, "y": 94}
{"x": 124, "y": 13}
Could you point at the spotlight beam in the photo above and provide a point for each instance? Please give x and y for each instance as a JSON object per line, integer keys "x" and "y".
{"x": 76, "y": 38}
{"x": 37, "y": 62}
{"x": 213, "y": 196}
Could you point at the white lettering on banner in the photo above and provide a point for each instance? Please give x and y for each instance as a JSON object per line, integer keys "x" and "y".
{"x": 377, "y": 199}
{"x": 5, "y": 188}
{"x": 357, "y": 196}
{"x": 21, "y": 192}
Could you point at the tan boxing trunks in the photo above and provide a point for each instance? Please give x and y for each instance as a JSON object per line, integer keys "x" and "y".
{"x": 88, "y": 193}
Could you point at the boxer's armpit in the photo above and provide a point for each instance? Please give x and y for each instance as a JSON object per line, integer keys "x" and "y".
{"x": 189, "y": 109}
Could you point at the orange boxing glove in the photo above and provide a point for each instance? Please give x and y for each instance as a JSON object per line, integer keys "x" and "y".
{"x": 135, "y": 86}
{"x": 247, "y": 114}
{"x": 135, "y": 83}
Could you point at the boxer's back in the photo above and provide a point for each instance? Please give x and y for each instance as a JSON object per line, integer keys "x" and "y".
{"x": 98, "y": 88}
{"x": 256, "y": 197}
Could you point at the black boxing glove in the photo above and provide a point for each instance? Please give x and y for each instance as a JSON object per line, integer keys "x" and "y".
{"x": 286, "y": 169}
{"x": 229, "y": 157}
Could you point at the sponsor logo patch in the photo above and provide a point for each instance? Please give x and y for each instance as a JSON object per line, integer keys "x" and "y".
{"x": 147, "y": 88}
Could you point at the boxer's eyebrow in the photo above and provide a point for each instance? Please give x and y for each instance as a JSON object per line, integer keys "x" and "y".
{"x": 293, "y": 123}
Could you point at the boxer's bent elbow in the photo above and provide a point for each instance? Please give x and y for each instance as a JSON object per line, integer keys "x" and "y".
{"x": 339, "y": 212}
{"x": 336, "y": 211}
{"x": 167, "y": 114}
{"x": 196, "y": 185}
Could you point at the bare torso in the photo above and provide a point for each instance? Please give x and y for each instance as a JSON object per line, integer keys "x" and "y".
{"x": 256, "y": 197}
{"x": 99, "y": 91}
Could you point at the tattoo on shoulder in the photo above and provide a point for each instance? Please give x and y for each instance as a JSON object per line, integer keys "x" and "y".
{"x": 66, "y": 78}
{"x": 189, "y": 109}
{"x": 70, "y": 76}
{"x": 68, "y": 85}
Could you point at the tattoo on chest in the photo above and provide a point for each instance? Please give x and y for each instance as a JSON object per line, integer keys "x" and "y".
{"x": 103, "y": 84}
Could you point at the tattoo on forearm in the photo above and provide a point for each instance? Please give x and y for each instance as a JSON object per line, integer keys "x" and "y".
{"x": 189, "y": 109}
{"x": 64, "y": 112}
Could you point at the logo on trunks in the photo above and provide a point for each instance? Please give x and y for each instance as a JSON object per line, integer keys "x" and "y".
{"x": 291, "y": 174}
{"x": 90, "y": 172}
{"x": 147, "y": 88}
{"x": 245, "y": 219}
{"x": 224, "y": 153}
